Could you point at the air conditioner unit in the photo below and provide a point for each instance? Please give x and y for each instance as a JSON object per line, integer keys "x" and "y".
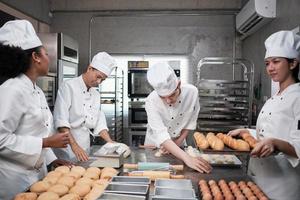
{"x": 254, "y": 15}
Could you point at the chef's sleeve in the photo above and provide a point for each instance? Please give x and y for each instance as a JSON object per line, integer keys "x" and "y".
{"x": 101, "y": 123}
{"x": 62, "y": 105}
{"x": 23, "y": 149}
{"x": 50, "y": 156}
{"x": 192, "y": 123}
{"x": 159, "y": 132}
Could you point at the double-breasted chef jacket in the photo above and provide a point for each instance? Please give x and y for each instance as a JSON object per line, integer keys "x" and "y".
{"x": 25, "y": 119}
{"x": 279, "y": 175}
{"x": 78, "y": 108}
{"x": 167, "y": 121}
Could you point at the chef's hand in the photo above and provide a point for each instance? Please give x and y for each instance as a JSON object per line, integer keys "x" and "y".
{"x": 199, "y": 164}
{"x": 164, "y": 151}
{"x": 80, "y": 154}
{"x": 263, "y": 149}
{"x": 237, "y": 132}
{"x": 60, "y": 162}
{"x": 58, "y": 140}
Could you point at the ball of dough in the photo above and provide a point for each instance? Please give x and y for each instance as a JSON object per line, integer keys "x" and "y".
{"x": 54, "y": 173}
{"x": 78, "y": 169}
{"x": 51, "y": 179}
{"x": 71, "y": 196}
{"x": 66, "y": 180}
{"x": 81, "y": 190}
{"x": 101, "y": 182}
{"x": 95, "y": 170}
{"x": 62, "y": 169}
{"x": 85, "y": 181}
{"x": 59, "y": 189}
{"x": 73, "y": 174}
{"x": 48, "y": 196}
{"x": 26, "y": 196}
{"x": 40, "y": 186}
{"x": 91, "y": 175}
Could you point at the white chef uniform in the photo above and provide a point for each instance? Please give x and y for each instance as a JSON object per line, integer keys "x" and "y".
{"x": 24, "y": 120}
{"x": 78, "y": 108}
{"x": 167, "y": 121}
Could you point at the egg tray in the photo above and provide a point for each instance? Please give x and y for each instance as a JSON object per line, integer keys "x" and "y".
{"x": 231, "y": 190}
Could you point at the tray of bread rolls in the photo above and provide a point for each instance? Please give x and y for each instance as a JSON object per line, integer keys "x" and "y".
{"x": 231, "y": 190}
{"x": 74, "y": 182}
{"x": 223, "y": 143}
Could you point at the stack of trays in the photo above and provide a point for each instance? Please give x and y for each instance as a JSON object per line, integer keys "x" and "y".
{"x": 125, "y": 187}
{"x": 166, "y": 189}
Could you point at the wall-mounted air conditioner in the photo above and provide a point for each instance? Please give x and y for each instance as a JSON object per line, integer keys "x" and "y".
{"x": 254, "y": 15}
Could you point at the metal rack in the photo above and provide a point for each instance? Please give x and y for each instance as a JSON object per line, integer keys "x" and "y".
{"x": 112, "y": 103}
{"x": 225, "y": 104}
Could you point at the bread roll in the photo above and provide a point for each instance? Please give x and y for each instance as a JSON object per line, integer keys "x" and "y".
{"x": 78, "y": 169}
{"x": 108, "y": 173}
{"x": 54, "y": 173}
{"x": 59, "y": 189}
{"x": 214, "y": 142}
{"x": 249, "y": 138}
{"x": 73, "y": 174}
{"x": 66, "y": 180}
{"x": 95, "y": 170}
{"x": 85, "y": 181}
{"x": 91, "y": 175}
{"x": 81, "y": 190}
{"x": 62, "y": 169}
{"x": 26, "y": 196}
{"x": 201, "y": 140}
{"x": 101, "y": 182}
{"x": 40, "y": 186}
{"x": 48, "y": 196}
{"x": 94, "y": 193}
{"x": 71, "y": 196}
{"x": 239, "y": 145}
{"x": 51, "y": 179}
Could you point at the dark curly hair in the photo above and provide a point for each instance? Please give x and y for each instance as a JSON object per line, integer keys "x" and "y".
{"x": 14, "y": 61}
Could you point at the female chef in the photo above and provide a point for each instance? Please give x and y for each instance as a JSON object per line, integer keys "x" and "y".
{"x": 278, "y": 124}
{"x": 25, "y": 119}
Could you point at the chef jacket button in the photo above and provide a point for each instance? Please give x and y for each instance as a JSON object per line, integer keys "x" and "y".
{"x": 91, "y": 118}
{"x": 85, "y": 116}
{"x": 46, "y": 108}
{"x": 262, "y": 130}
{"x": 281, "y": 98}
{"x": 172, "y": 117}
{"x": 169, "y": 127}
{"x": 47, "y": 124}
{"x": 90, "y": 106}
{"x": 269, "y": 113}
{"x": 180, "y": 114}
{"x": 179, "y": 101}
{"x": 177, "y": 123}
{"x": 170, "y": 105}
{"x": 83, "y": 104}
{"x": 174, "y": 133}
{"x": 84, "y": 122}
{"x": 84, "y": 92}
{"x": 272, "y": 98}
{"x": 262, "y": 111}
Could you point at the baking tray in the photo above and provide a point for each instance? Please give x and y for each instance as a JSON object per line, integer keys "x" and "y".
{"x": 111, "y": 196}
{"x": 180, "y": 184}
{"x": 168, "y": 198}
{"x": 222, "y": 160}
{"x": 131, "y": 180}
{"x": 174, "y": 193}
{"x": 127, "y": 189}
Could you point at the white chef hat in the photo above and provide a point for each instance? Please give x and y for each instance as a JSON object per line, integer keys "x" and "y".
{"x": 283, "y": 44}
{"x": 103, "y": 62}
{"x": 19, "y": 33}
{"x": 162, "y": 78}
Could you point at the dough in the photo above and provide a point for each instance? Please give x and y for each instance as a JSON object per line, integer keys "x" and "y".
{"x": 59, "y": 189}
{"x": 95, "y": 170}
{"x": 78, "y": 169}
{"x": 26, "y": 196}
{"x": 51, "y": 179}
{"x": 71, "y": 196}
{"x": 85, "y": 181}
{"x": 73, "y": 174}
{"x": 40, "y": 186}
{"x": 91, "y": 175}
{"x": 81, "y": 190}
{"x": 55, "y": 174}
{"x": 101, "y": 182}
{"x": 48, "y": 196}
{"x": 108, "y": 172}
{"x": 62, "y": 169}
{"x": 94, "y": 194}
{"x": 66, "y": 180}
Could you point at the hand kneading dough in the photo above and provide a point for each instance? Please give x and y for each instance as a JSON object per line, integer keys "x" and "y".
{"x": 59, "y": 189}
{"x": 48, "y": 196}
{"x": 71, "y": 196}
{"x": 26, "y": 196}
{"x": 66, "y": 180}
{"x": 78, "y": 169}
{"x": 95, "y": 170}
{"x": 62, "y": 169}
{"x": 84, "y": 181}
{"x": 81, "y": 190}
{"x": 40, "y": 186}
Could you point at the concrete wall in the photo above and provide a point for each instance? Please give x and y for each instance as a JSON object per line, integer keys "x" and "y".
{"x": 253, "y": 46}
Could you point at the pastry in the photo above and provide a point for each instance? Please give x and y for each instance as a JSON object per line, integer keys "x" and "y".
{"x": 59, "y": 189}
{"x": 66, "y": 180}
{"x": 239, "y": 145}
{"x": 81, "y": 190}
{"x": 95, "y": 170}
{"x": 78, "y": 169}
{"x": 62, "y": 169}
{"x": 26, "y": 196}
{"x": 48, "y": 196}
{"x": 201, "y": 140}
{"x": 40, "y": 186}
{"x": 85, "y": 181}
{"x": 214, "y": 142}
{"x": 70, "y": 196}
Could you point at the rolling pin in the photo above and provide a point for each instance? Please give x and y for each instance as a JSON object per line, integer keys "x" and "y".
{"x": 153, "y": 166}
{"x": 156, "y": 174}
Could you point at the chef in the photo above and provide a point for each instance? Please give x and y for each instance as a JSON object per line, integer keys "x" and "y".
{"x": 77, "y": 108}
{"x": 172, "y": 111}
{"x": 278, "y": 123}
{"x": 25, "y": 119}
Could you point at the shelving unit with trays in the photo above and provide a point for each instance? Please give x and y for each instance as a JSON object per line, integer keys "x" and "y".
{"x": 225, "y": 104}
{"x": 112, "y": 104}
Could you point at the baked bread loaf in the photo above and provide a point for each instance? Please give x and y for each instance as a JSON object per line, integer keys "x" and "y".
{"x": 70, "y": 196}
{"x": 249, "y": 138}
{"x": 26, "y": 196}
{"x": 48, "y": 196}
{"x": 78, "y": 169}
{"x": 81, "y": 190}
{"x": 214, "y": 142}
{"x": 94, "y": 193}
{"x": 236, "y": 144}
{"x": 108, "y": 173}
{"x": 62, "y": 169}
{"x": 40, "y": 186}
{"x": 59, "y": 189}
{"x": 201, "y": 140}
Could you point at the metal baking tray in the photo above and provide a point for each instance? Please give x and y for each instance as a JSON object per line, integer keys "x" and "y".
{"x": 168, "y": 198}
{"x": 180, "y": 184}
{"x": 174, "y": 193}
{"x": 111, "y": 196}
{"x": 127, "y": 189}
{"x": 131, "y": 180}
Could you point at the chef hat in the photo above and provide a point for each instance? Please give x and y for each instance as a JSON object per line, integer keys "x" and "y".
{"x": 283, "y": 44}
{"x": 19, "y": 33}
{"x": 162, "y": 78}
{"x": 103, "y": 62}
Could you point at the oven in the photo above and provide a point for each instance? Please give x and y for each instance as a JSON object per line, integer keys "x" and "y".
{"x": 137, "y": 114}
{"x": 138, "y": 85}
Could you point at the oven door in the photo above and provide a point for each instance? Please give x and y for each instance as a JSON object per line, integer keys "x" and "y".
{"x": 138, "y": 85}
{"x": 66, "y": 70}
{"x": 137, "y": 116}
